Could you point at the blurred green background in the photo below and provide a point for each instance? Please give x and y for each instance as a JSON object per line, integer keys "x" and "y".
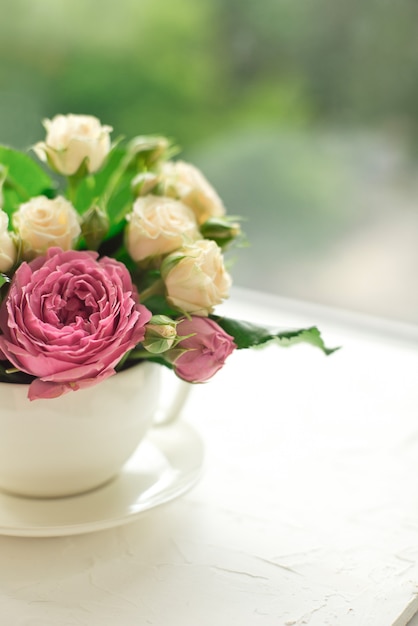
{"x": 302, "y": 114}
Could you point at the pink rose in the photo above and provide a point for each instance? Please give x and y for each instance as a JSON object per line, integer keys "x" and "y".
{"x": 68, "y": 320}
{"x": 207, "y": 349}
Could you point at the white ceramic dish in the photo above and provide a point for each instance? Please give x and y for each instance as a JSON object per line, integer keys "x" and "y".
{"x": 165, "y": 465}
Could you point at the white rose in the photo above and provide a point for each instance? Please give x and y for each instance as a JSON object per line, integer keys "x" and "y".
{"x": 7, "y": 246}
{"x": 195, "y": 278}
{"x": 157, "y": 226}
{"x": 70, "y": 140}
{"x": 42, "y": 223}
{"x": 185, "y": 182}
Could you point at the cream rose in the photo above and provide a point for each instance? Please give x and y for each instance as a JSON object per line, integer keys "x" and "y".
{"x": 72, "y": 139}
{"x": 7, "y": 246}
{"x": 42, "y": 223}
{"x": 195, "y": 278}
{"x": 185, "y": 182}
{"x": 157, "y": 226}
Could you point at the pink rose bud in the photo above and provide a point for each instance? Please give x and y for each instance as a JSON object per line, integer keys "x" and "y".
{"x": 204, "y": 352}
{"x": 68, "y": 319}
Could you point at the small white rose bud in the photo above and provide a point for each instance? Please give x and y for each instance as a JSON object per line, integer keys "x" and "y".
{"x": 73, "y": 141}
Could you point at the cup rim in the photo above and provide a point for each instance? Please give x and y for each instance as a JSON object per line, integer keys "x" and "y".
{"x": 123, "y": 373}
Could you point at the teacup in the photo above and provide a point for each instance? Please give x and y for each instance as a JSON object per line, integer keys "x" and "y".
{"x": 79, "y": 441}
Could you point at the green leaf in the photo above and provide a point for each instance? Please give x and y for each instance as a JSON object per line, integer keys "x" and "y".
{"x": 91, "y": 189}
{"x": 111, "y": 189}
{"x": 158, "y": 305}
{"x": 161, "y": 361}
{"x": 120, "y": 204}
{"x": 25, "y": 179}
{"x": 4, "y": 280}
{"x": 248, "y": 335}
{"x": 136, "y": 356}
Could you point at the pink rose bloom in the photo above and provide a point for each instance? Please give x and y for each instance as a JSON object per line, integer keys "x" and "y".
{"x": 207, "y": 349}
{"x": 68, "y": 320}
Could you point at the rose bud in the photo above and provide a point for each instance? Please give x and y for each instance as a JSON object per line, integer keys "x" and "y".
{"x": 160, "y": 334}
{"x": 204, "y": 350}
{"x": 73, "y": 141}
{"x": 195, "y": 278}
{"x": 148, "y": 151}
{"x": 144, "y": 183}
{"x": 42, "y": 223}
{"x": 222, "y": 230}
{"x": 157, "y": 226}
{"x": 94, "y": 226}
{"x": 186, "y": 183}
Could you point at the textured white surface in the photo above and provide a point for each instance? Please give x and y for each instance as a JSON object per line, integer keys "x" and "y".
{"x": 307, "y": 512}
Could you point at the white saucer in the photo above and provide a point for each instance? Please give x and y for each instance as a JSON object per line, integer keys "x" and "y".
{"x": 165, "y": 465}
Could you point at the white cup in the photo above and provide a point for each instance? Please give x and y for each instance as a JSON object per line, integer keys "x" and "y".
{"x": 79, "y": 441}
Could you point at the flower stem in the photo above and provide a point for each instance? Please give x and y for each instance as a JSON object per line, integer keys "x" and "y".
{"x": 72, "y": 188}
{"x": 137, "y": 354}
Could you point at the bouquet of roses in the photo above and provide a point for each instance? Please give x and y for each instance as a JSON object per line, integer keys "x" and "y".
{"x": 115, "y": 257}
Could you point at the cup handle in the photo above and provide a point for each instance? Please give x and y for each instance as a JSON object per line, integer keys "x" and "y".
{"x": 168, "y": 414}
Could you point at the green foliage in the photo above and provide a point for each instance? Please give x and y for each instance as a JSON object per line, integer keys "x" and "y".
{"x": 90, "y": 189}
{"x": 103, "y": 199}
{"x": 248, "y": 335}
{"x": 4, "y": 280}
{"x": 110, "y": 189}
{"x": 23, "y": 179}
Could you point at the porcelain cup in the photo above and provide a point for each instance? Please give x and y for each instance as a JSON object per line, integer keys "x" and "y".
{"x": 79, "y": 441}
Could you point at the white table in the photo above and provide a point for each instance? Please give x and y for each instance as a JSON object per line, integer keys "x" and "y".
{"x": 307, "y": 512}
